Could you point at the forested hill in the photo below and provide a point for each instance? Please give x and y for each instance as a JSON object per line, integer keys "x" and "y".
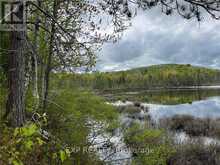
{"x": 167, "y": 75}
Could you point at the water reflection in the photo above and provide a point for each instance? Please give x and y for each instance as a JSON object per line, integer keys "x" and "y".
{"x": 202, "y": 103}
{"x": 165, "y": 97}
{"x": 209, "y": 108}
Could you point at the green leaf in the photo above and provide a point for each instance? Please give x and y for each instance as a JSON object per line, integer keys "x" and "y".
{"x": 62, "y": 155}
{"x": 16, "y": 132}
{"x": 17, "y": 162}
{"x": 29, "y": 144}
{"x": 67, "y": 152}
{"x": 40, "y": 141}
{"x": 29, "y": 130}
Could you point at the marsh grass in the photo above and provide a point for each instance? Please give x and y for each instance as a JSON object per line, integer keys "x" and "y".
{"x": 192, "y": 126}
{"x": 195, "y": 154}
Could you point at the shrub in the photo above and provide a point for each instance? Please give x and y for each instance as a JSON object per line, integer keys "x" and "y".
{"x": 137, "y": 104}
{"x": 69, "y": 114}
{"x": 193, "y": 126}
{"x": 129, "y": 109}
{"x": 23, "y": 146}
{"x": 157, "y": 148}
{"x": 196, "y": 155}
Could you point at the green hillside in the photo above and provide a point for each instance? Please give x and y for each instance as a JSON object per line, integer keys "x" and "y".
{"x": 156, "y": 76}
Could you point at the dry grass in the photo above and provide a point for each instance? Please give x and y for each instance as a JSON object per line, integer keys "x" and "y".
{"x": 193, "y": 126}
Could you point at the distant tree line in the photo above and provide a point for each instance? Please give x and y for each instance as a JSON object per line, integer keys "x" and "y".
{"x": 150, "y": 77}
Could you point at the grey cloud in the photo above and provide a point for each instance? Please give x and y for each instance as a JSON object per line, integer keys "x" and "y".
{"x": 124, "y": 51}
{"x": 156, "y": 39}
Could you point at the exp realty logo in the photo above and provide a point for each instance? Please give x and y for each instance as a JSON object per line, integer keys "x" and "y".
{"x": 13, "y": 14}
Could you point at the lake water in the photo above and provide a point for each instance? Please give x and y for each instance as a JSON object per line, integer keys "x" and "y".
{"x": 202, "y": 103}
{"x": 207, "y": 108}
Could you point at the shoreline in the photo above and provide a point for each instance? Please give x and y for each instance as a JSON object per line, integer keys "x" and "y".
{"x": 161, "y": 88}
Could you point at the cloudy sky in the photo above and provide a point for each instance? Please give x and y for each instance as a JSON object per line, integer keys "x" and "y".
{"x": 159, "y": 39}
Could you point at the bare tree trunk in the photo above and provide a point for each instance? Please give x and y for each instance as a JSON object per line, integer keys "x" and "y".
{"x": 42, "y": 72}
{"x": 35, "y": 60}
{"x": 35, "y": 76}
{"x": 49, "y": 59}
{"x": 16, "y": 77}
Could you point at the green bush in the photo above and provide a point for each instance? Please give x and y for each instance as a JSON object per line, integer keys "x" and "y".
{"x": 149, "y": 146}
{"x": 21, "y": 145}
{"x": 69, "y": 113}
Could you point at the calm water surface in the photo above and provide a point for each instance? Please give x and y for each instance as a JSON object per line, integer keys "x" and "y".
{"x": 202, "y": 103}
{"x": 207, "y": 108}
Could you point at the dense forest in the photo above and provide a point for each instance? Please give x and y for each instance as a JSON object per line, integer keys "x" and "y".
{"x": 157, "y": 76}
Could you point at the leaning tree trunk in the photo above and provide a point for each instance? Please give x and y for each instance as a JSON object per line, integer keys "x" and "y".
{"x": 16, "y": 76}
